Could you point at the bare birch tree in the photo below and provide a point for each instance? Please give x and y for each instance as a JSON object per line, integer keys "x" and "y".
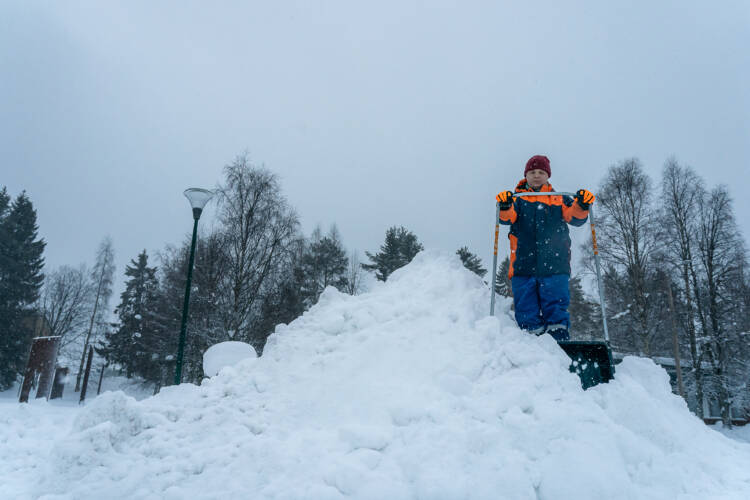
{"x": 718, "y": 244}
{"x": 64, "y": 303}
{"x": 682, "y": 197}
{"x": 259, "y": 228}
{"x": 354, "y": 274}
{"x": 102, "y": 278}
{"x": 627, "y": 238}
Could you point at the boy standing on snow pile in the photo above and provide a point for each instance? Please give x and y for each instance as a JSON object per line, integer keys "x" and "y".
{"x": 540, "y": 249}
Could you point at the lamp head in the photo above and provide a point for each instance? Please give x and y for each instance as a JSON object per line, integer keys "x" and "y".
{"x": 198, "y": 198}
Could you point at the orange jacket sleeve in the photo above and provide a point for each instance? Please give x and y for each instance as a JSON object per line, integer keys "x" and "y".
{"x": 574, "y": 214}
{"x": 508, "y": 217}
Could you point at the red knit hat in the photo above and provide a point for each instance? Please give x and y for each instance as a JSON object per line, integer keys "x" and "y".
{"x": 538, "y": 162}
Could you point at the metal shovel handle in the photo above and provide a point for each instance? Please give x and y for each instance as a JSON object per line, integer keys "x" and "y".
{"x": 546, "y": 193}
{"x": 494, "y": 260}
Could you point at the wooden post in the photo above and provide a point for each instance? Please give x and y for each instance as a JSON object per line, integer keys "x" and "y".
{"x": 101, "y": 376}
{"x": 58, "y": 385}
{"x": 42, "y": 358}
{"x": 493, "y": 281}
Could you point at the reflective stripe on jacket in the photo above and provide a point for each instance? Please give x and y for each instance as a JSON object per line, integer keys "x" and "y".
{"x": 539, "y": 239}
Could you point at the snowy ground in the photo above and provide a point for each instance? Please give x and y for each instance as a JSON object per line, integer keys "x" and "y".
{"x": 110, "y": 382}
{"x": 409, "y": 391}
{"x": 741, "y": 434}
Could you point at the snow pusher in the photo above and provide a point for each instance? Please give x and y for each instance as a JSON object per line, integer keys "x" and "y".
{"x": 591, "y": 360}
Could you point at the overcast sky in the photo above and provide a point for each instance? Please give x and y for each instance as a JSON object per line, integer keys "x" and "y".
{"x": 373, "y": 114}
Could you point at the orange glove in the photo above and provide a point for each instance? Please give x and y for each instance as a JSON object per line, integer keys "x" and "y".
{"x": 505, "y": 200}
{"x": 585, "y": 198}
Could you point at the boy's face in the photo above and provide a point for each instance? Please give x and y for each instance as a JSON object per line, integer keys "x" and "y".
{"x": 536, "y": 178}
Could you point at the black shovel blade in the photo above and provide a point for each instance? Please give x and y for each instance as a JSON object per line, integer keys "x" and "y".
{"x": 591, "y": 360}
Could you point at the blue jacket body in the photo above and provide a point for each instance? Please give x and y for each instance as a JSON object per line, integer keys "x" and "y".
{"x": 539, "y": 238}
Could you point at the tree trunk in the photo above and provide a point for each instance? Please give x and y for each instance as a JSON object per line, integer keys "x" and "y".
{"x": 675, "y": 339}
{"x": 697, "y": 371}
{"x": 88, "y": 336}
{"x": 702, "y": 317}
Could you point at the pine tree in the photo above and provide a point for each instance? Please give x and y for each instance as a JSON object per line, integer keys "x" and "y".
{"x": 399, "y": 248}
{"x": 585, "y": 315}
{"x": 172, "y": 276}
{"x": 285, "y": 301}
{"x": 471, "y": 261}
{"x": 135, "y": 343}
{"x": 502, "y": 282}
{"x": 21, "y": 278}
{"x": 206, "y": 322}
{"x": 324, "y": 263}
{"x": 4, "y": 237}
{"x": 283, "y": 305}
{"x": 9, "y": 351}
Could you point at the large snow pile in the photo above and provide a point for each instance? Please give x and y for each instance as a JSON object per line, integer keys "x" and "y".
{"x": 410, "y": 391}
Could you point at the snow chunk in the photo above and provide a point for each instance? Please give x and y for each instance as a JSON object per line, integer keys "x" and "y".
{"x": 225, "y": 354}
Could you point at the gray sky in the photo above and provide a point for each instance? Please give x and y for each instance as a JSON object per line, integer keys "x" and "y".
{"x": 373, "y": 114}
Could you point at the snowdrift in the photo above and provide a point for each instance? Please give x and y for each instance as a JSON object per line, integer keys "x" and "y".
{"x": 409, "y": 391}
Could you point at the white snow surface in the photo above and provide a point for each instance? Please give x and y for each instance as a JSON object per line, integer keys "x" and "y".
{"x": 409, "y": 391}
{"x": 225, "y": 354}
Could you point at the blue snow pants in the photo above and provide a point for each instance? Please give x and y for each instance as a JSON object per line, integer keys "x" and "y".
{"x": 542, "y": 302}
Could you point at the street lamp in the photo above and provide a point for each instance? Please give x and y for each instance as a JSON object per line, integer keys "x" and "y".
{"x": 198, "y": 199}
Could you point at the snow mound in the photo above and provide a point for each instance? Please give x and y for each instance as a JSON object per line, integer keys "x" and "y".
{"x": 226, "y": 354}
{"x": 410, "y": 391}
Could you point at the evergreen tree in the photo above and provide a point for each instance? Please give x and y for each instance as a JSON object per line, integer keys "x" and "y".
{"x": 502, "y": 282}
{"x": 21, "y": 278}
{"x": 285, "y": 302}
{"x": 205, "y": 325}
{"x": 399, "y": 249}
{"x": 585, "y": 315}
{"x": 135, "y": 342}
{"x": 471, "y": 261}
{"x": 4, "y": 238}
{"x": 172, "y": 275}
{"x": 324, "y": 263}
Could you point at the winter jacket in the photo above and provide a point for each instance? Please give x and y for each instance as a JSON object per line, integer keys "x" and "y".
{"x": 539, "y": 239}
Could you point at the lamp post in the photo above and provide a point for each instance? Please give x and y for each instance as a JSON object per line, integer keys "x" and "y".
{"x": 198, "y": 199}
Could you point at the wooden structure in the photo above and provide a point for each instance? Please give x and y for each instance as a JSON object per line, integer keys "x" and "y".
{"x": 41, "y": 366}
